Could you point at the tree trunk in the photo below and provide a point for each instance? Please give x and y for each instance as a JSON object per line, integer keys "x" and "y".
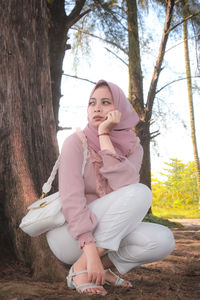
{"x": 143, "y": 132}
{"x": 59, "y": 24}
{"x": 28, "y": 145}
{"x": 190, "y": 101}
{"x": 136, "y": 89}
{"x": 135, "y": 71}
{"x": 57, "y": 44}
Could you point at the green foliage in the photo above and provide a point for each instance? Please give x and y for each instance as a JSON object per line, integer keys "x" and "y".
{"x": 178, "y": 191}
{"x": 154, "y": 219}
{"x": 111, "y": 21}
{"x": 81, "y": 43}
{"x": 108, "y": 22}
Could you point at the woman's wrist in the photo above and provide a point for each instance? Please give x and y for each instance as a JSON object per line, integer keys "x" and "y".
{"x": 90, "y": 250}
{"x": 103, "y": 133}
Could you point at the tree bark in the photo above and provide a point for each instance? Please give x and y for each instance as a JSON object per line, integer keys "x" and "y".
{"x": 143, "y": 132}
{"x": 190, "y": 101}
{"x": 28, "y": 145}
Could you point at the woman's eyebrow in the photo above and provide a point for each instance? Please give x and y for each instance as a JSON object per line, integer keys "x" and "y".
{"x": 92, "y": 98}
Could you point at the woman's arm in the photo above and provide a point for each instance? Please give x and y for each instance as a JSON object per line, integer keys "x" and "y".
{"x": 81, "y": 221}
{"x": 117, "y": 169}
{"x": 120, "y": 170}
{"x": 113, "y": 118}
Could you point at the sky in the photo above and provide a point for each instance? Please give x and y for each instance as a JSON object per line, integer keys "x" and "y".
{"x": 174, "y": 140}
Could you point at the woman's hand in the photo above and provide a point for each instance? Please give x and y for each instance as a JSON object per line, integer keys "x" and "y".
{"x": 112, "y": 119}
{"x": 96, "y": 273}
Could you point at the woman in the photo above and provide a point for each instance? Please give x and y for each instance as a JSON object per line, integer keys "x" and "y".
{"x": 105, "y": 207}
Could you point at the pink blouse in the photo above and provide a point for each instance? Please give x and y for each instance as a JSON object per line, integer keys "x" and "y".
{"x": 104, "y": 173}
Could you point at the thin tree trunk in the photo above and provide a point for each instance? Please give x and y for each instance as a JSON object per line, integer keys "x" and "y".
{"x": 190, "y": 101}
{"x": 135, "y": 70}
{"x": 28, "y": 145}
{"x": 136, "y": 89}
{"x": 144, "y": 129}
{"x": 159, "y": 61}
{"x": 57, "y": 45}
{"x": 136, "y": 82}
{"x": 59, "y": 24}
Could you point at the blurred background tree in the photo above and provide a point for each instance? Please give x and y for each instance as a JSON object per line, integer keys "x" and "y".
{"x": 177, "y": 191}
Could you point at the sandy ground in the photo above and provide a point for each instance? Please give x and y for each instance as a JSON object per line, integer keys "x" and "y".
{"x": 177, "y": 277}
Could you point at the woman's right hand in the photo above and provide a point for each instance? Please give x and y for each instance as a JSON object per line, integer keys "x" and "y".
{"x": 96, "y": 273}
{"x": 112, "y": 119}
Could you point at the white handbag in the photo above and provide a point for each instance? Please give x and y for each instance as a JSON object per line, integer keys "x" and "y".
{"x": 46, "y": 213}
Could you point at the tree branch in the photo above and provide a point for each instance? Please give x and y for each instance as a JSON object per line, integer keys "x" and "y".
{"x": 64, "y": 128}
{"x": 184, "y": 20}
{"x": 194, "y": 36}
{"x": 179, "y": 79}
{"x": 75, "y": 15}
{"x": 100, "y": 38}
{"x": 75, "y": 20}
{"x": 116, "y": 56}
{"x": 80, "y": 78}
{"x": 155, "y": 135}
{"x": 113, "y": 14}
{"x": 122, "y": 9}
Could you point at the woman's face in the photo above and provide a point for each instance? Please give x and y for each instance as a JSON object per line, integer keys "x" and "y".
{"x": 100, "y": 104}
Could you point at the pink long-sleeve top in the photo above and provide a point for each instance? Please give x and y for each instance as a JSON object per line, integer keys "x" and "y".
{"x": 104, "y": 172}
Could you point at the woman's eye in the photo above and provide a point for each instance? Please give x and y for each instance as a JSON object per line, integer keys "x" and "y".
{"x": 91, "y": 103}
{"x": 106, "y": 102}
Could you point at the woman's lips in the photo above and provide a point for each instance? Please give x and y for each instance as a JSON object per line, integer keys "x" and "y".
{"x": 97, "y": 118}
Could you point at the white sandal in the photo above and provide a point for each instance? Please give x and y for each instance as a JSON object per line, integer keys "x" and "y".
{"x": 118, "y": 281}
{"x": 82, "y": 287}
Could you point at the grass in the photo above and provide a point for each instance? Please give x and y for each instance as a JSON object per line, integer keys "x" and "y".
{"x": 176, "y": 213}
{"x": 162, "y": 215}
{"x": 158, "y": 220}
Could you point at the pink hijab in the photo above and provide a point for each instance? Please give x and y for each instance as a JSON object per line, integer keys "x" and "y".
{"x": 122, "y": 136}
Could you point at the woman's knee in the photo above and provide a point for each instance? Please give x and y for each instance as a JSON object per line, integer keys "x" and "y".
{"x": 165, "y": 242}
{"x": 155, "y": 239}
{"x": 138, "y": 194}
{"x": 63, "y": 246}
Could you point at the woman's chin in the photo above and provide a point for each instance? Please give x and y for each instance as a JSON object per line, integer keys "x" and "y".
{"x": 96, "y": 124}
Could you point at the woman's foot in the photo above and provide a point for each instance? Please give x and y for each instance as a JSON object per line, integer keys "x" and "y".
{"x": 115, "y": 280}
{"x": 83, "y": 279}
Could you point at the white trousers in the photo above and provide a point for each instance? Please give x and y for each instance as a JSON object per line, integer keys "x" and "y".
{"x": 129, "y": 241}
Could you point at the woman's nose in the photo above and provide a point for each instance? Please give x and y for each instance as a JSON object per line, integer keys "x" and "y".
{"x": 97, "y": 107}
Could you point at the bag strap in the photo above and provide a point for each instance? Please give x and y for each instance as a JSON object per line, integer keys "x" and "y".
{"x": 47, "y": 186}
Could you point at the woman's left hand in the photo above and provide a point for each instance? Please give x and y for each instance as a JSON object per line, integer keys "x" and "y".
{"x": 96, "y": 273}
{"x": 112, "y": 119}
